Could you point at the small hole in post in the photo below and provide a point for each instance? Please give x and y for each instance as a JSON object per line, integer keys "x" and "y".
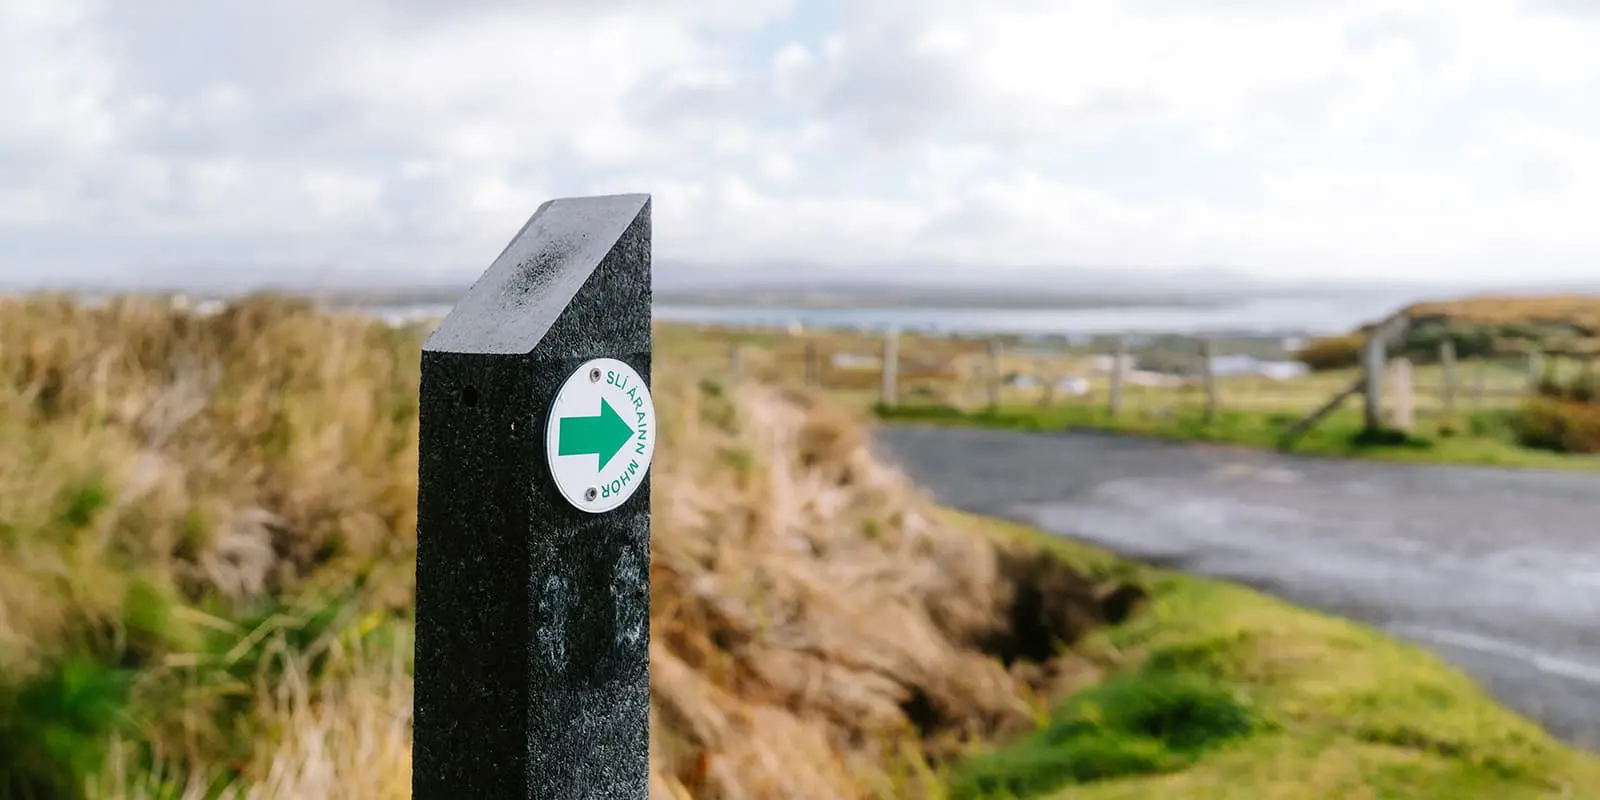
{"x": 591, "y": 494}
{"x": 594, "y": 375}
{"x": 469, "y": 396}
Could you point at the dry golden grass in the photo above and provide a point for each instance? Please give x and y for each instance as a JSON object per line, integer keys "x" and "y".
{"x": 785, "y": 555}
{"x": 225, "y": 505}
{"x": 1579, "y": 311}
{"x": 348, "y": 737}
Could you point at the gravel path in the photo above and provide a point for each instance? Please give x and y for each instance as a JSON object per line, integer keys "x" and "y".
{"x": 1496, "y": 570}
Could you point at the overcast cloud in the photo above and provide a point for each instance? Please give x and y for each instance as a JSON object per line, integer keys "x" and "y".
{"x": 1348, "y": 138}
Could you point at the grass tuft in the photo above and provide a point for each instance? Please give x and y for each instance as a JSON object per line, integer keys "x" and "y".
{"x": 1145, "y": 723}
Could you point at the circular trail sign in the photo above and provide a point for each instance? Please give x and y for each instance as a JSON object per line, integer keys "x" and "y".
{"x": 601, "y": 435}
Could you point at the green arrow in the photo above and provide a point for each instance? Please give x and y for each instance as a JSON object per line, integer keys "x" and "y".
{"x": 603, "y": 435}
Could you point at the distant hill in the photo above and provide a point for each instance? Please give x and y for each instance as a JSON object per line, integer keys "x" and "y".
{"x": 677, "y": 276}
{"x": 807, "y": 284}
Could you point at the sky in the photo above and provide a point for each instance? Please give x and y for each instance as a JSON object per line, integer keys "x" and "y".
{"x": 408, "y": 140}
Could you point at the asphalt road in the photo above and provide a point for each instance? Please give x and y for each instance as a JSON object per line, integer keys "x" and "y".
{"x": 1498, "y": 571}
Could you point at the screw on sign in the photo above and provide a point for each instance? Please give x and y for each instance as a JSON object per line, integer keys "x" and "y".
{"x": 533, "y": 518}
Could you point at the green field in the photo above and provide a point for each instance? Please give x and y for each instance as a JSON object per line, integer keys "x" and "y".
{"x": 1474, "y": 426}
{"x": 1484, "y": 438}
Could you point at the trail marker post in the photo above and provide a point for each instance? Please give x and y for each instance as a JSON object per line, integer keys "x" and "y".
{"x": 533, "y": 518}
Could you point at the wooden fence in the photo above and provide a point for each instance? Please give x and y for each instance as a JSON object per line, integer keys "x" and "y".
{"x": 1207, "y": 375}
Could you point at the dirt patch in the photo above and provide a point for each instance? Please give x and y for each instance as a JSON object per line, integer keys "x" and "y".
{"x": 817, "y": 633}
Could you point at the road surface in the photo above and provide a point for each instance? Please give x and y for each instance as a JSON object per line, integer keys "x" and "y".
{"x": 1498, "y": 571}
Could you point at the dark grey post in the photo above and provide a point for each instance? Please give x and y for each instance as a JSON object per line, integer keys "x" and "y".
{"x": 532, "y": 642}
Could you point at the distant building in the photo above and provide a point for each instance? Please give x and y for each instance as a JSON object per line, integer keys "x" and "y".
{"x": 855, "y": 361}
{"x": 1141, "y": 377}
{"x": 1074, "y": 386}
{"x": 1238, "y": 365}
{"x": 1105, "y": 363}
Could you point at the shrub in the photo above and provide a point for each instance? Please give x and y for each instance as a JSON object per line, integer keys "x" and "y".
{"x": 1422, "y": 345}
{"x": 1551, "y": 388}
{"x": 1387, "y": 437}
{"x": 55, "y": 725}
{"x": 1170, "y": 362}
{"x": 1493, "y": 424}
{"x": 1331, "y": 353}
{"x": 1563, "y": 426}
{"x": 1575, "y": 389}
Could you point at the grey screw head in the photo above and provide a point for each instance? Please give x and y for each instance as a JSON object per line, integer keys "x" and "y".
{"x": 591, "y": 494}
{"x": 594, "y": 375}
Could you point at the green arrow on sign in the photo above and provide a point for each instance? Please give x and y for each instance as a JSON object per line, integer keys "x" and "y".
{"x": 603, "y": 435}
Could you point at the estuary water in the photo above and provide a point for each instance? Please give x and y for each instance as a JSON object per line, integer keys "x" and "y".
{"x": 1248, "y": 316}
{"x": 1252, "y": 316}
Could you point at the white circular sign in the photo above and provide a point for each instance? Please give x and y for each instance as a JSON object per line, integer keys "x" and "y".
{"x": 601, "y": 435}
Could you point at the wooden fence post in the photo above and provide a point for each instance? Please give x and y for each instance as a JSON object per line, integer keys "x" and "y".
{"x": 1447, "y": 368}
{"x": 813, "y": 364}
{"x": 533, "y": 518}
{"x": 1114, "y": 395}
{"x": 1480, "y": 376}
{"x": 1405, "y": 409}
{"x": 1208, "y": 376}
{"x": 992, "y": 373}
{"x": 1535, "y": 369}
{"x": 736, "y": 362}
{"x": 891, "y": 368}
{"x": 1373, "y": 358}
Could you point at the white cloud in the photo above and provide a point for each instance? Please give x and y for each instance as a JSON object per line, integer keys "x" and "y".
{"x": 55, "y": 80}
{"x": 1420, "y": 140}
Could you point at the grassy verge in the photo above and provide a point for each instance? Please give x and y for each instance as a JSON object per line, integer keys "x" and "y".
{"x": 1482, "y": 439}
{"x": 1218, "y": 691}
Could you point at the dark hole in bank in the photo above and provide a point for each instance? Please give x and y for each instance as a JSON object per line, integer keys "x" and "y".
{"x": 469, "y": 396}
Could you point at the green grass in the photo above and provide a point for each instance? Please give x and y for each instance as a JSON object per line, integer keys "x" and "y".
{"x": 1217, "y": 691}
{"x": 1482, "y": 438}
